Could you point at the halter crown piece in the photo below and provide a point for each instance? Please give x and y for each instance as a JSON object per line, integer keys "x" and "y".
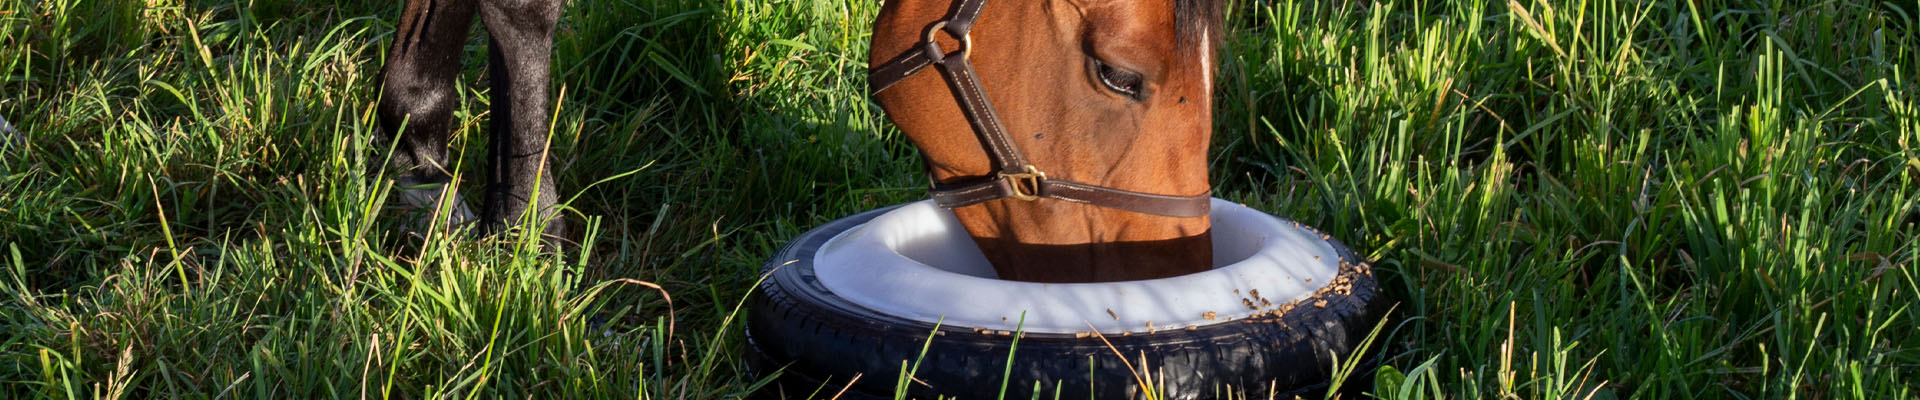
{"x": 1013, "y": 176}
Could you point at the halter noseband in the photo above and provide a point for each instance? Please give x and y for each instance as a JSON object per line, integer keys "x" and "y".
{"x": 1013, "y": 176}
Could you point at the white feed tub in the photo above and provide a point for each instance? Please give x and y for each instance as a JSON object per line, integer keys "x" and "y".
{"x": 916, "y": 262}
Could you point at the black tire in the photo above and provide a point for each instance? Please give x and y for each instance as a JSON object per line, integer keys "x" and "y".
{"x": 818, "y": 342}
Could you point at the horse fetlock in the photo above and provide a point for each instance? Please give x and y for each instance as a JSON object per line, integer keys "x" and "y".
{"x": 410, "y": 160}
{"x": 412, "y": 107}
{"x": 412, "y": 99}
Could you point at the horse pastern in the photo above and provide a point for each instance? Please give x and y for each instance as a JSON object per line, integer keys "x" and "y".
{"x": 10, "y": 137}
{"x": 441, "y": 207}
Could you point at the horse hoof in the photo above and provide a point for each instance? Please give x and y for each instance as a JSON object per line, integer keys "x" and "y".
{"x": 433, "y": 206}
{"x": 10, "y": 137}
{"x": 1264, "y": 321}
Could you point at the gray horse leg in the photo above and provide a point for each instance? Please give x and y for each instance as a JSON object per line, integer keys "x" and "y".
{"x": 519, "y": 60}
{"x": 417, "y": 99}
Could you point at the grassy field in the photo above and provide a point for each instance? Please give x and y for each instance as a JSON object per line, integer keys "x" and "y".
{"x": 1631, "y": 199}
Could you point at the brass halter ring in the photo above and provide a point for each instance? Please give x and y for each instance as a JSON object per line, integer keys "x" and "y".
{"x": 966, "y": 42}
{"x": 1026, "y": 185}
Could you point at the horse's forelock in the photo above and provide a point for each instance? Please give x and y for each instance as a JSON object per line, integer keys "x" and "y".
{"x": 1193, "y": 20}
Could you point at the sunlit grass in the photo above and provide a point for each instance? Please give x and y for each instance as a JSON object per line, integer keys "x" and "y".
{"x": 1570, "y": 199}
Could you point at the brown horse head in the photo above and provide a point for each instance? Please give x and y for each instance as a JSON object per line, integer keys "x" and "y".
{"x": 1106, "y": 93}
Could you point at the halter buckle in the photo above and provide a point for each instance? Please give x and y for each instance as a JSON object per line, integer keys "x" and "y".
{"x": 936, "y": 53}
{"x": 1026, "y": 185}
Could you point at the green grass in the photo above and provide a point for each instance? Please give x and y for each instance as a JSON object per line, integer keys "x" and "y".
{"x": 1570, "y": 199}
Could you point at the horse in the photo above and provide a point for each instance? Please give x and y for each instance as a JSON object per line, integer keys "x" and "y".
{"x": 417, "y": 100}
{"x": 1090, "y": 167}
{"x": 1068, "y": 137}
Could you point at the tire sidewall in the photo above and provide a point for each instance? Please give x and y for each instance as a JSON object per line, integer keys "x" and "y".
{"x": 814, "y": 337}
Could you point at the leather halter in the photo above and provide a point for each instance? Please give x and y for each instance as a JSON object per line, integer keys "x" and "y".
{"x": 1014, "y": 177}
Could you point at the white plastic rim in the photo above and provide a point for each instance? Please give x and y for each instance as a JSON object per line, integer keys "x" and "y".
{"x": 917, "y": 262}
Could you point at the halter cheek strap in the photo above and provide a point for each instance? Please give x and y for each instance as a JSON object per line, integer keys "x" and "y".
{"x": 1014, "y": 177}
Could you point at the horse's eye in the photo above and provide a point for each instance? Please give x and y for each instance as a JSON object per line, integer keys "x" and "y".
{"x": 1126, "y": 83}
